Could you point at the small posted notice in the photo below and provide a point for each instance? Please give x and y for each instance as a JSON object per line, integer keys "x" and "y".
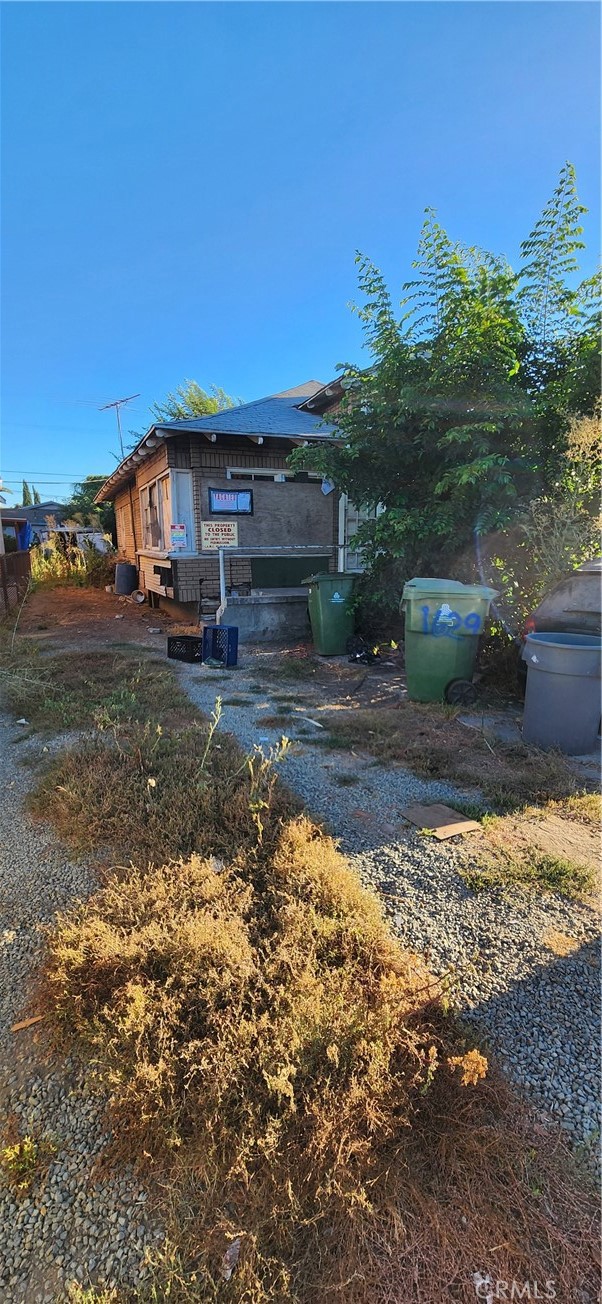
{"x": 218, "y": 534}
{"x": 177, "y": 535}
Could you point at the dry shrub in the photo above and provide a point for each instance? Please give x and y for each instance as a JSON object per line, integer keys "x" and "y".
{"x": 153, "y": 795}
{"x": 433, "y": 744}
{"x": 283, "y": 1065}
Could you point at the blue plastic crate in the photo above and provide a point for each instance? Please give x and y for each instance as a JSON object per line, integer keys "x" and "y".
{"x": 220, "y": 643}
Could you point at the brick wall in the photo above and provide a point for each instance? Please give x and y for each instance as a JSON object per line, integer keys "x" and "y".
{"x": 188, "y": 571}
{"x": 290, "y": 515}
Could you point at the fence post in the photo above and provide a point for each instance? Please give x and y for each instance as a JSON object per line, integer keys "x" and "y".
{"x": 3, "y": 580}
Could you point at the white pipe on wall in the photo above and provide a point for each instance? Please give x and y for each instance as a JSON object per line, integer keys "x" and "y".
{"x": 222, "y": 585}
{"x": 342, "y": 549}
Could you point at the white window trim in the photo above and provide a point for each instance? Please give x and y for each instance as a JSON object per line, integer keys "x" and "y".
{"x": 164, "y": 552}
{"x": 144, "y": 490}
{"x": 192, "y": 550}
{"x": 269, "y": 474}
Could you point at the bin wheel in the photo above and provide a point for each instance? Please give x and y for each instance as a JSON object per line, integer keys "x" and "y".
{"x": 460, "y": 692}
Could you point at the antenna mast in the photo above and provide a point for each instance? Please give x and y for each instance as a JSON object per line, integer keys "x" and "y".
{"x": 119, "y": 402}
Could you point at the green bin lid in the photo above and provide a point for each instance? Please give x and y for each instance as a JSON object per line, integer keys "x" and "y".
{"x": 437, "y": 587}
{"x": 335, "y": 576}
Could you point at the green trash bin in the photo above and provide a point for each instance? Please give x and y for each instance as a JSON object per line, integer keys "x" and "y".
{"x": 330, "y": 612}
{"x": 443, "y": 621}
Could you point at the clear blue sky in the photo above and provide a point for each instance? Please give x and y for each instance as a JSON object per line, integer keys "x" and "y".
{"x": 185, "y": 186}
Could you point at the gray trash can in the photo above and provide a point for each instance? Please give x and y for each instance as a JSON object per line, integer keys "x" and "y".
{"x": 562, "y": 699}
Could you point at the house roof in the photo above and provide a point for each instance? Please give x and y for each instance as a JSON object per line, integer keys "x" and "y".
{"x": 278, "y": 416}
{"x": 36, "y": 515}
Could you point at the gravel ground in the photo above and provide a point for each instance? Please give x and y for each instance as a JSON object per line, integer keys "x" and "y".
{"x": 71, "y": 1226}
{"x": 538, "y": 1013}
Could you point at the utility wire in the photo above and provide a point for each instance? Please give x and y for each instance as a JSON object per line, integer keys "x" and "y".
{"x": 58, "y": 475}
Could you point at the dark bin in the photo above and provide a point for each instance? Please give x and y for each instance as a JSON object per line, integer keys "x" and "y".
{"x": 185, "y": 647}
{"x": 126, "y": 578}
{"x": 562, "y": 699}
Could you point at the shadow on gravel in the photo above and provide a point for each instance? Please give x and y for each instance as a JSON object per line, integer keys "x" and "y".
{"x": 544, "y": 1031}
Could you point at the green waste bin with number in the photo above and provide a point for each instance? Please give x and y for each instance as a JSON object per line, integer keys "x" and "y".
{"x": 331, "y": 612}
{"x": 443, "y": 621}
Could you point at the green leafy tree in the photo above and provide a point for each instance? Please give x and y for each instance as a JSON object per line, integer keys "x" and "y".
{"x": 82, "y": 508}
{"x": 27, "y": 500}
{"x": 462, "y": 416}
{"x": 189, "y": 400}
{"x": 36, "y": 497}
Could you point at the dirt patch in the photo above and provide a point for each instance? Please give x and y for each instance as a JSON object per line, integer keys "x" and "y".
{"x": 80, "y": 616}
{"x": 561, "y": 837}
{"x": 538, "y": 851}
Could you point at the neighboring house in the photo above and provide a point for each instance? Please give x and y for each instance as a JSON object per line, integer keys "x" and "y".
{"x": 193, "y": 485}
{"x": 23, "y": 527}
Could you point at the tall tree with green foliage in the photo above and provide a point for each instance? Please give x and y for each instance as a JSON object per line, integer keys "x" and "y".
{"x": 82, "y": 508}
{"x": 27, "y": 500}
{"x": 36, "y": 497}
{"x": 188, "y": 400}
{"x": 462, "y": 416}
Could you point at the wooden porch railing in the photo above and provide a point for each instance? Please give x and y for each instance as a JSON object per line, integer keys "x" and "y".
{"x": 15, "y": 569}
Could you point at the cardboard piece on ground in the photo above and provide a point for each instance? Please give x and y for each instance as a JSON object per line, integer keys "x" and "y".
{"x": 27, "y": 1023}
{"x": 443, "y": 821}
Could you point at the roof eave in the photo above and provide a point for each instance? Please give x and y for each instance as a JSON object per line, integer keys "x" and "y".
{"x": 158, "y": 434}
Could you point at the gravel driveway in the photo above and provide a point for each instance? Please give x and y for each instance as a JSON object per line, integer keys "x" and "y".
{"x": 71, "y": 1227}
{"x": 538, "y": 1012}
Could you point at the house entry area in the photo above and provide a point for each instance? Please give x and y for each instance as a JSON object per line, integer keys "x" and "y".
{"x": 285, "y": 572}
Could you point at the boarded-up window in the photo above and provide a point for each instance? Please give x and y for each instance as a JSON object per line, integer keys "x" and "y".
{"x": 163, "y": 503}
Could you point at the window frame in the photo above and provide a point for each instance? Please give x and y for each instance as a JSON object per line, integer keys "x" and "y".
{"x": 229, "y": 511}
{"x": 269, "y": 474}
{"x": 168, "y": 504}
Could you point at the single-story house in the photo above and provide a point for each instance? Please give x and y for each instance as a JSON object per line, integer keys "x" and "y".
{"x": 193, "y": 487}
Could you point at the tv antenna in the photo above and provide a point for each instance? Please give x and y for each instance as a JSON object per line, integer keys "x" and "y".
{"x": 119, "y": 402}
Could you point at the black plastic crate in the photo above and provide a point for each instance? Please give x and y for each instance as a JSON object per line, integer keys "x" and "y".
{"x": 220, "y": 643}
{"x": 185, "y": 647}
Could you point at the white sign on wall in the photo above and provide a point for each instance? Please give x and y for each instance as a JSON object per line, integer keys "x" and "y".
{"x": 218, "y": 534}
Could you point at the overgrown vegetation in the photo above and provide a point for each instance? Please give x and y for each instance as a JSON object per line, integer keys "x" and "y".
{"x": 320, "y": 1125}
{"x": 156, "y": 793}
{"x": 52, "y": 564}
{"x": 435, "y": 745}
{"x": 81, "y": 506}
{"x": 471, "y": 416}
{"x": 556, "y": 531}
{"x": 273, "y": 1053}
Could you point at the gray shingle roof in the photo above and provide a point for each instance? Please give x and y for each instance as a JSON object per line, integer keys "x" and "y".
{"x": 277, "y": 416}
{"x": 35, "y": 515}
